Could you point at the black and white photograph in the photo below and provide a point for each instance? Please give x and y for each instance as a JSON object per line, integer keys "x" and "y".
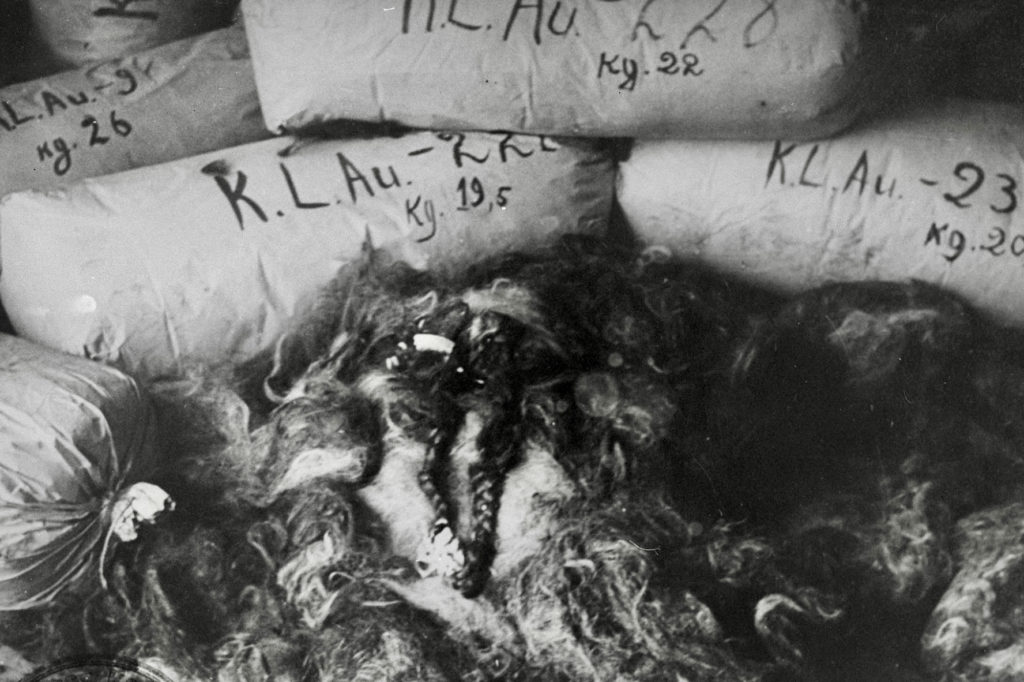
{"x": 525, "y": 340}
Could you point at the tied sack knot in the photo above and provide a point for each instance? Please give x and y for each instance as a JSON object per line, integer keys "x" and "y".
{"x": 137, "y": 504}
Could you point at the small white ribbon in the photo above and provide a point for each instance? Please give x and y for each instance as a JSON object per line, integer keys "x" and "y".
{"x": 433, "y": 342}
{"x": 440, "y": 552}
{"x": 140, "y": 503}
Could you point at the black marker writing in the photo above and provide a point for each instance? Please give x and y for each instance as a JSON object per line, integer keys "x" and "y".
{"x": 1017, "y": 246}
{"x": 460, "y": 24}
{"x": 236, "y": 194}
{"x": 617, "y": 65}
{"x": 420, "y": 212}
{"x": 859, "y": 174}
{"x": 100, "y": 134}
{"x": 768, "y": 19}
{"x": 778, "y": 160}
{"x": 505, "y": 146}
{"x": 61, "y": 154}
{"x": 120, "y": 8}
{"x": 804, "y": 180}
{"x": 642, "y": 23}
{"x": 972, "y": 178}
{"x": 473, "y": 194}
{"x": 407, "y": 15}
{"x": 1009, "y": 189}
{"x": 858, "y": 178}
{"x": 119, "y": 125}
{"x": 51, "y": 101}
{"x": 12, "y": 114}
{"x": 299, "y": 203}
{"x": 998, "y": 242}
{"x": 997, "y": 237}
{"x": 51, "y": 104}
{"x": 478, "y": 194}
{"x": 95, "y": 138}
{"x": 970, "y": 173}
{"x": 538, "y": 19}
{"x": 702, "y": 28}
{"x": 954, "y": 240}
{"x": 355, "y": 177}
{"x": 458, "y": 153}
{"x": 670, "y": 64}
{"x": 553, "y": 21}
{"x": 520, "y": 5}
{"x": 131, "y": 84}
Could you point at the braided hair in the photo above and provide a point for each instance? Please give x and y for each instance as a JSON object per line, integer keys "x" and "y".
{"x": 447, "y": 352}
{"x": 491, "y": 366}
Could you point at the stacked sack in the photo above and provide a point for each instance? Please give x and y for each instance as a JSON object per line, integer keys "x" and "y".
{"x": 923, "y": 192}
{"x": 90, "y": 90}
{"x": 71, "y": 34}
{"x": 79, "y": 449}
{"x": 135, "y": 96}
{"x": 923, "y": 188}
{"x": 418, "y": 425}
{"x": 213, "y": 264}
{"x": 171, "y": 236}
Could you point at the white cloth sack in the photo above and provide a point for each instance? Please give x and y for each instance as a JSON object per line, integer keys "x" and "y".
{"x": 75, "y": 439}
{"x": 77, "y": 32}
{"x": 210, "y": 258}
{"x": 178, "y": 100}
{"x": 745, "y": 69}
{"x": 935, "y": 193}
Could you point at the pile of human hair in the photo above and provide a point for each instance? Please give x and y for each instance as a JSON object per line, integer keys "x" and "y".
{"x": 595, "y": 462}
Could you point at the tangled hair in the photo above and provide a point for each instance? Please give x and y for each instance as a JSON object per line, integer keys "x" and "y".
{"x": 594, "y": 605}
{"x": 838, "y": 386}
{"x": 360, "y": 308}
{"x": 230, "y": 602}
{"x": 974, "y": 632}
{"x": 580, "y": 464}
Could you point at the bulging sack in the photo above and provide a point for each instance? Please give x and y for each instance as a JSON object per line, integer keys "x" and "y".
{"x": 178, "y": 100}
{"x": 210, "y": 258}
{"x": 743, "y": 68}
{"x": 76, "y": 439}
{"x": 933, "y": 193}
{"x": 80, "y": 31}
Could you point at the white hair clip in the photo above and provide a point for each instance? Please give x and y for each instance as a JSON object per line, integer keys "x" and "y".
{"x": 433, "y": 342}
